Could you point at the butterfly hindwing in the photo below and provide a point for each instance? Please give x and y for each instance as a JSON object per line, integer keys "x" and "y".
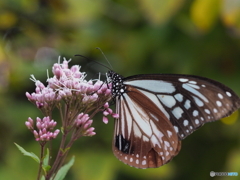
{"x": 144, "y": 137}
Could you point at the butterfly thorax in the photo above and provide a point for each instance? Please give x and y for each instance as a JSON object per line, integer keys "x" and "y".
{"x": 118, "y": 88}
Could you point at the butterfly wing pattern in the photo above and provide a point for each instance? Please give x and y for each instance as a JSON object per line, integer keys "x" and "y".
{"x": 157, "y": 111}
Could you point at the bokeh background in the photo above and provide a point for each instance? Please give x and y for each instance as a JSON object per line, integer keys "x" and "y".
{"x": 200, "y": 37}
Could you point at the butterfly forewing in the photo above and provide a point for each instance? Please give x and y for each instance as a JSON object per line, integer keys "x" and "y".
{"x": 157, "y": 111}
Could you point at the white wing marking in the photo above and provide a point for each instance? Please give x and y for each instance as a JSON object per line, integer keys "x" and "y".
{"x": 136, "y": 130}
{"x": 194, "y": 91}
{"x": 156, "y": 86}
{"x": 155, "y": 100}
{"x": 139, "y": 115}
{"x": 167, "y": 100}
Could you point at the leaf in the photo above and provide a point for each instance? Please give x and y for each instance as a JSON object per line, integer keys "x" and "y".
{"x": 46, "y": 158}
{"x": 65, "y": 150}
{"x": 64, "y": 169}
{"x": 45, "y": 166}
{"x": 30, "y": 154}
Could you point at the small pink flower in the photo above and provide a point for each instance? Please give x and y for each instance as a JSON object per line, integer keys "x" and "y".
{"x": 115, "y": 115}
{"x": 90, "y": 132}
{"x": 105, "y": 119}
{"x": 29, "y": 123}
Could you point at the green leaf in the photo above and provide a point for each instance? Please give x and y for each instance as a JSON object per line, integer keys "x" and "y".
{"x": 64, "y": 169}
{"x": 46, "y": 158}
{"x": 45, "y": 166}
{"x": 30, "y": 154}
{"x": 64, "y": 150}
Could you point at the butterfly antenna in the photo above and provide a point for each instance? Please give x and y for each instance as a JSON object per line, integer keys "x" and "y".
{"x": 92, "y": 60}
{"x": 104, "y": 57}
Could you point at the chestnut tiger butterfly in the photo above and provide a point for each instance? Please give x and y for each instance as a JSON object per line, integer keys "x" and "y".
{"x": 157, "y": 111}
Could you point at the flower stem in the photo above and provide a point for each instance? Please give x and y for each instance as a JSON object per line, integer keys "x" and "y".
{"x": 59, "y": 156}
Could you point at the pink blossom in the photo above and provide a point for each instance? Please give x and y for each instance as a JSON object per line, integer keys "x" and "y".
{"x": 68, "y": 89}
{"x": 44, "y": 127}
{"x": 105, "y": 119}
{"x": 67, "y": 83}
{"x": 83, "y": 124}
{"x": 29, "y": 123}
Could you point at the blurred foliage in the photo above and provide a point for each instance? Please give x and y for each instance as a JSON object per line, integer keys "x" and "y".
{"x": 200, "y": 37}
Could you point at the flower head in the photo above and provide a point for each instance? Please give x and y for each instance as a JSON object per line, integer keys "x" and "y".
{"x": 83, "y": 124}
{"x": 69, "y": 85}
{"x": 44, "y": 129}
{"x": 77, "y": 99}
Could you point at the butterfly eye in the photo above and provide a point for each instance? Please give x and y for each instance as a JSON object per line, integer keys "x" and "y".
{"x": 157, "y": 111}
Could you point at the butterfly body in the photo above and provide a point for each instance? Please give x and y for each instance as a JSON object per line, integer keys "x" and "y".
{"x": 157, "y": 111}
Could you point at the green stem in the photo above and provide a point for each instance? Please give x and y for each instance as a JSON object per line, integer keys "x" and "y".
{"x": 59, "y": 156}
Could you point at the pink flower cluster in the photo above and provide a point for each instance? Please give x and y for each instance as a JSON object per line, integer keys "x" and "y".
{"x": 83, "y": 122}
{"x": 77, "y": 99}
{"x": 67, "y": 82}
{"x": 44, "y": 128}
{"x": 44, "y": 96}
{"x": 107, "y": 112}
{"x": 70, "y": 81}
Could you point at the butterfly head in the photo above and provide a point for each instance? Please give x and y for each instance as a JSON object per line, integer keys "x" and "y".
{"x": 118, "y": 88}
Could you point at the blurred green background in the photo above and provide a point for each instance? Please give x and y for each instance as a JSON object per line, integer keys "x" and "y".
{"x": 200, "y": 37}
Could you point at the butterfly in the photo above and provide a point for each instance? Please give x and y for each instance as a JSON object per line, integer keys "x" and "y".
{"x": 157, "y": 111}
